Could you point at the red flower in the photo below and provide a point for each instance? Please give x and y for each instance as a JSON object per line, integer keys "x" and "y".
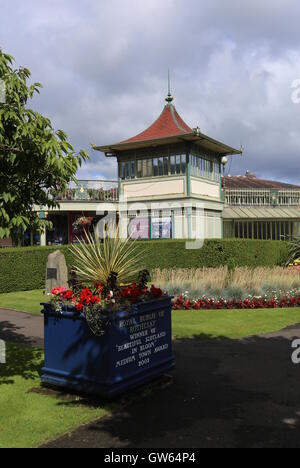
{"x": 68, "y": 295}
{"x": 98, "y": 287}
{"x": 156, "y": 292}
{"x": 134, "y": 292}
{"x": 180, "y": 300}
{"x": 86, "y": 296}
{"x": 79, "y": 307}
{"x": 188, "y": 305}
{"x": 126, "y": 292}
{"x": 95, "y": 300}
{"x": 58, "y": 291}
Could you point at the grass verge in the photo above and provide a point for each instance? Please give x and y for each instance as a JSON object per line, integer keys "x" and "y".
{"x": 232, "y": 324}
{"x": 29, "y": 419}
{"x": 188, "y": 324}
{"x": 24, "y": 301}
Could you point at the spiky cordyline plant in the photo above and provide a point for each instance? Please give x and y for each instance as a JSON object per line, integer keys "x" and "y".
{"x": 96, "y": 261}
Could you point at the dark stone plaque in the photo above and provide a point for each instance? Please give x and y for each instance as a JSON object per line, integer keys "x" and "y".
{"x": 56, "y": 272}
{"x": 51, "y": 274}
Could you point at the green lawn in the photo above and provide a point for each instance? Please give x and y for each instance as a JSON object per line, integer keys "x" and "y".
{"x": 232, "y": 324}
{"x": 186, "y": 324}
{"x": 29, "y": 419}
{"x": 24, "y": 301}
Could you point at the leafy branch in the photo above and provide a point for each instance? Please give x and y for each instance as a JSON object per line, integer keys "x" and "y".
{"x": 36, "y": 161}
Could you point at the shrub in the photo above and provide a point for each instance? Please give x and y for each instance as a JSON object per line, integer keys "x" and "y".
{"x": 24, "y": 269}
{"x": 294, "y": 252}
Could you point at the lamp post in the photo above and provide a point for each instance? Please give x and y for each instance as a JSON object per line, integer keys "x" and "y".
{"x": 224, "y": 161}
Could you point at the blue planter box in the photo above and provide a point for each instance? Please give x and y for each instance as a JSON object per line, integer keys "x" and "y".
{"x": 136, "y": 348}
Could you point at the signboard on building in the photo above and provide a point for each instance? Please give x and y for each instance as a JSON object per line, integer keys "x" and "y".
{"x": 162, "y": 228}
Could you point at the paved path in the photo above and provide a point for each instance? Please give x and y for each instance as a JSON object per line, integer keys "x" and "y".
{"x": 226, "y": 393}
{"x": 18, "y": 327}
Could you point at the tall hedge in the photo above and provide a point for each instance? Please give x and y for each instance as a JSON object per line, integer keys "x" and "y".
{"x": 24, "y": 269}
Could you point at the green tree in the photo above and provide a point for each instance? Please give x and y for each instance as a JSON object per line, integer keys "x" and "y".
{"x": 36, "y": 162}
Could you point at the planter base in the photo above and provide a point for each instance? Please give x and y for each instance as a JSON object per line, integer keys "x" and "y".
{"x": 79, "y": 384}
{"x": 135, "y": 349}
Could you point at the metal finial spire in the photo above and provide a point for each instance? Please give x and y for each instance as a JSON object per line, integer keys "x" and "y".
{"x": 169, "y": 98}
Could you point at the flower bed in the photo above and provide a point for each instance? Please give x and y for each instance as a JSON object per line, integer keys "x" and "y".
{"x": 84, "y": 299}
{"x": 97, "y": 305}
{"x": 183, "y": 302}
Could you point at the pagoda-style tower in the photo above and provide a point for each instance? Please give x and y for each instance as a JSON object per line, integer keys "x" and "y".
{"x": 171, "y": 163}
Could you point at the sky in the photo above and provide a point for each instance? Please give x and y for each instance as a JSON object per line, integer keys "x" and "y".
{"x": 104, "y": 66}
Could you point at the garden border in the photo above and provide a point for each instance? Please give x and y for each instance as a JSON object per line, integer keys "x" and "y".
{"x": 23, "y": 269}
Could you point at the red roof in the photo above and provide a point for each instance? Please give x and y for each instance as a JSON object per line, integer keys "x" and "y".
{"x": 168, "y": 124}
{"x": 250, "y": 181}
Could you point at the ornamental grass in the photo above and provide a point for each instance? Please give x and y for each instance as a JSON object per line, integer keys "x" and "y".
{"x": 223, "y": 282}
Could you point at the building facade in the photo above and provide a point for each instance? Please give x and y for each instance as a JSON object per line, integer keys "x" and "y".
{"x": 164, "y": 175}
{"x": 167, "y": 175}
{"x": 261, "y": 209}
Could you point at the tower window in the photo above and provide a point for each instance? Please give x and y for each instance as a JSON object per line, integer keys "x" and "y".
{"x": 173, "y": 165}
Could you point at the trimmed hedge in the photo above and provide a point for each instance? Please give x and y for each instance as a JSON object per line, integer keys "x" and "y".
{"x": 23, "y": 269}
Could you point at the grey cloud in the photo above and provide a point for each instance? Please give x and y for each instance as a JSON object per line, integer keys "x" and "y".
{"x": 104, "y": 65}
